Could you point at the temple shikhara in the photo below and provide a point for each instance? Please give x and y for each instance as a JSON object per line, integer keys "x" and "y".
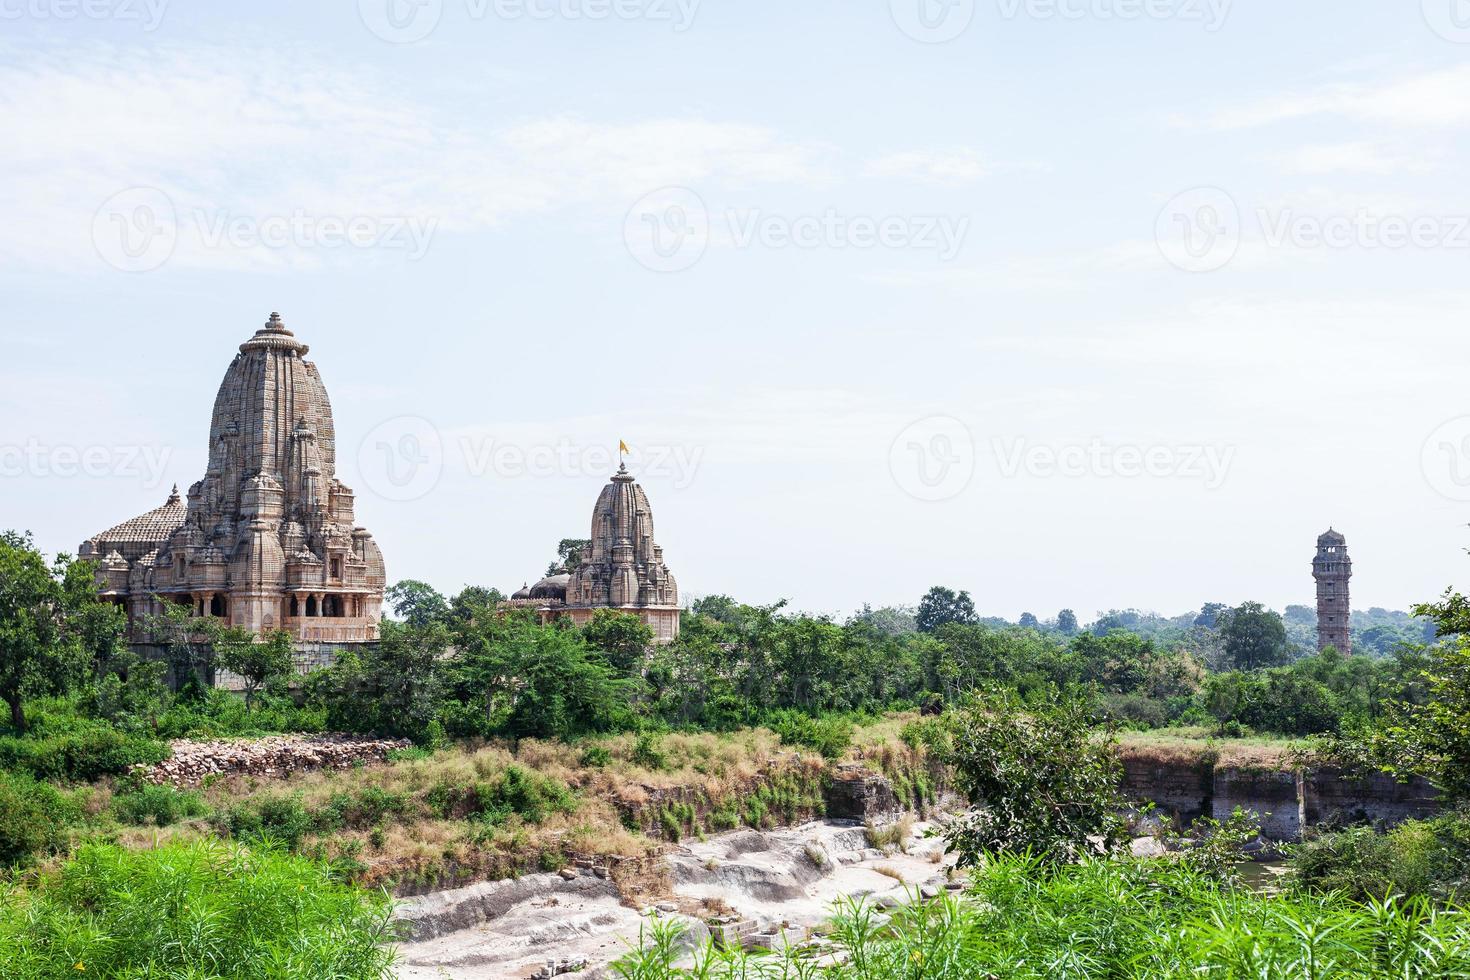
{"x": 268, "y": 539}
{"x": 621, "y": 568}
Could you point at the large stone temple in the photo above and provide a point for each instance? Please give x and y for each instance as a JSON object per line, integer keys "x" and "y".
{"x": 268, "y": 539}
{"x": 621, "y": 568}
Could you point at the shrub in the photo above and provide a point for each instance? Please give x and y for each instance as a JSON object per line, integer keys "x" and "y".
{"x": 33, "y": 819}
{"x": 86, "y": 753}
{"x": 648, "y": 751}
{"x": 1416, "y": 858}
{"x": 163, "y": 805}
{"x": 516, "y": 791}
{"x": 829, "y": 735}
{"x": 596, "y": 756}
{"x": 198, "y": 909}
{"x": 281, "y": 819}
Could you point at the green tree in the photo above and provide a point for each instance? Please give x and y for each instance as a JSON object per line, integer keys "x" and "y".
{"x": 50, "y": 626}
{"x": 1254, "y": 637}
{"x": 392, "y": 687}
{"x": 256, "y": 661}
{"x": 1040, "y": 776}
{"x": 1067, "y": 622}
{"x": 569, "y": 552}
{"x": 941, "y": 606}
{"x": 622, "y": 637}
{"x": 417, "y": 603}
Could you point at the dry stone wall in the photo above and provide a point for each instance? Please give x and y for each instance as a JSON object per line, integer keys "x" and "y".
{"x": 193, "y": 762}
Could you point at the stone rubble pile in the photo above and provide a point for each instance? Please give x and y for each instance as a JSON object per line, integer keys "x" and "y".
{"x": 275, "y": 756}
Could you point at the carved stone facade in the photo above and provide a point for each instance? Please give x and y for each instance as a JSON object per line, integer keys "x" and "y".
{"x": 1332, "y": 568}
{"x": 268, "y": 539}
{"x": 622, "y": 568}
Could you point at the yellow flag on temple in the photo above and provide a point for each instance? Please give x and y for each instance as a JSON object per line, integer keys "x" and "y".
{"x": 623, "y": 447}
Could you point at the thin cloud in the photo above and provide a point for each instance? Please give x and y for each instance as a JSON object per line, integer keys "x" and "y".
{"x": 940, "y": 167}
{"x": 1431, "y": 99}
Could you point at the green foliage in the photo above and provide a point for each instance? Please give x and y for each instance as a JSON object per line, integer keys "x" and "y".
{"x": 515, "y": 791}
{"x": 81, "y": 751}
{"x": 391, "y": 687}
{"x": 1044, "y": 780}
{"x": 1417, "y": 858}
{"x": 596, "y": 756}
{"x": 199, "y": 909}
{"x": 33, "y": 819}
{"x": 648, "y": 751}
{"x": 1098, "y": 920}
{"x": 622, "y": 638}
{"x": 277, "y": 819}
{"x": 942, "y": 606}
{"x": 159, "y": 805}
{"x": 254, "y": 660}
{"x": 417, "y": 603}
{"x": 52, "y": 625}
{"x": 1254, "y": 637}
{"x": 829, "y": 735}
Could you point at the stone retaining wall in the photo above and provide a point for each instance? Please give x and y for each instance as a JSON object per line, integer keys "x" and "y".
{"x": 1286, "y": 801}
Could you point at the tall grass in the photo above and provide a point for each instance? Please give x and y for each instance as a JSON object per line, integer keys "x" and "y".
{"x": 198, "y": 909}
{"x": 1103, "y": 919}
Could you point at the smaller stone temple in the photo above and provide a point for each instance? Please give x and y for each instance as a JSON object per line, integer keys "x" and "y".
{"x": 1332, "y": 568}
{"x": 621, "y": 568}
{"x": 268, "y": 539}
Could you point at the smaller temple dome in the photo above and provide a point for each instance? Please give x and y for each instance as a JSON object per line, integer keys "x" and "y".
{"x": 551, "y": 587}
{"x": 524, "y": 592}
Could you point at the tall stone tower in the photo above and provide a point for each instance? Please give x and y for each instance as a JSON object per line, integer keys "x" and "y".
{"x": 268, "y": 539}
{"x": 1332, "y": 568}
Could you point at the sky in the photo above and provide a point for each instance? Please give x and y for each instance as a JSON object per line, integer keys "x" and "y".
{"x": 1068, "y": 303}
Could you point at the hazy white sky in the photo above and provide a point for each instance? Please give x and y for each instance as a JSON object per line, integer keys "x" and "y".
{"x": 1087, "y": 303}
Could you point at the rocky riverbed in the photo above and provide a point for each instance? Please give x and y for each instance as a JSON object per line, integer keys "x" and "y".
{"x": 747, "y": 886}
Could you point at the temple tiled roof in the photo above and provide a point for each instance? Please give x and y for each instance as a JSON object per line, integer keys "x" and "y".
{"x": 154, "y": 527}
